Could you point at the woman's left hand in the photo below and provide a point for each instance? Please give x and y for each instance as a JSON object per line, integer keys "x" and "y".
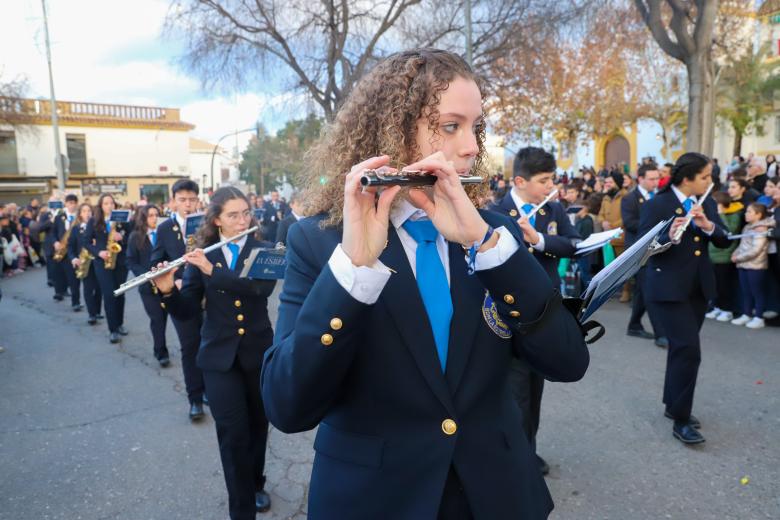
{"x": 199, "y": 260}
{"x": 451, "y": 210}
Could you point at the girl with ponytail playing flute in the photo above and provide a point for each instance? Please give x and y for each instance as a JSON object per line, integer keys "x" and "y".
{"x": 236, "y": 332}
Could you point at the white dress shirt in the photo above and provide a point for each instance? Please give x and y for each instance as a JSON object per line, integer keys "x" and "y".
{"x": 226, "y": 250}
{"x": 365, "y": 283}
{"x": 519, "y": 202}
{"x": 644, "y": 192}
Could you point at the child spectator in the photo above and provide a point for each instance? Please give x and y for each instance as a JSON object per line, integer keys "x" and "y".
{"x": 585, "y": 224}
{"x": 725, "y": 305}
{"x": 752, "y": 259}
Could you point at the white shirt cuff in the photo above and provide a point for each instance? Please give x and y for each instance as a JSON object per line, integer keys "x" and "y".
{"x": 363, "y": 283}
{"x": 539, "y": 246}
{"x": 498, "y": 254}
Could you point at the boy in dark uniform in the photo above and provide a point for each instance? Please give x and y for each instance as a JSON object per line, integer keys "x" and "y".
{"x": 65, "y": 275}
{"x": 549, "y": 236}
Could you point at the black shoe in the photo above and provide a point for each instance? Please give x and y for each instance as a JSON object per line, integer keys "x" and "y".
{"x": 77, "y": 307}
{"x": 122, "y": 330}
{"x": 662, "y": 342}
{"x": 114, "y": 337}
{"x": 543, "y": 466}
{"x": 58, "y": 297}
{"x": 692, "y": 420}
{"x": 205, "y": 400}
{"x": 92, "y": 320}
{"x": 686, "y": 433}
{"x": 639, "y": 333}
{"x": 196, "y": 412}
{"x": 49, "y": 283}
{"x": 262, "y": 501}
{"x": 164, "y": 361}
{"x": 100, "y": 316}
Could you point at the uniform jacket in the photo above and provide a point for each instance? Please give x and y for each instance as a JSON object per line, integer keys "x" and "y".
{"x": 236, "y": 321}
{"x": 611, "y": 212}
{"x": 60, "y": 227}
{"x": 551, "y": 221}
{"x": 284, "y": 228}
{"x": 391, "y": 424}
{"x": 630, "y": 206}
{"x": 46, "y": 219}
{"x": 97, "y": 237}
{"x": 139, "y": 259}
{"x": 170, "y": 244}
{"x": 752, "y": 252}
{"x": 77, "y": 240}
{"x": 685, "y": 270}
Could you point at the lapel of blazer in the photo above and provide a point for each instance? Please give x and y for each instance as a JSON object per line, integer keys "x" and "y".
{"x": 402, "y": 299}
{"x": 466, "y": 294}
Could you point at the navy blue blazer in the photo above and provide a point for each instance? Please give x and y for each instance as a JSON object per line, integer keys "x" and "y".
{"x": 46, "y": 219}
{"x": 560, "y": 236}
{"x": 236, "y": 321}
{"x": 170, "y": 244}
{"x": 391, "y": 424}
{"x": 685, "y": 270}
{"x": 630, "y": 207}
{"x": 139, "y": 259}
{"x": 97, "y": 239}
{"x": 77, "y": 240}
{"x": 59, "y": 225}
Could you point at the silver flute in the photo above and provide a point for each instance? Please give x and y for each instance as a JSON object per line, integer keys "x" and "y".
{"x": 151, "y": 275}
{"x": 689, "y": 216}
{"x": 382, "y": 177}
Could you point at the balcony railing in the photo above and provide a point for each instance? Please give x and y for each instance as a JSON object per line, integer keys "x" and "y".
{"x": 10, "y": 107}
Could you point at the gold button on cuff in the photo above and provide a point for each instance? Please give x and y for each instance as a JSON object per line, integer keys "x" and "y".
{"x": 241, "y": 332}
{"x": 697, "y": 253}
{"x": 336, "y": 324}
{"x": 326, "y": 340}
{"x": 514, "y": 314}
{"x": 449, "y": 427}
{"x": 237, "y": 303}
{"x": 509, "y": 299}
{"x": 240, "y": 317}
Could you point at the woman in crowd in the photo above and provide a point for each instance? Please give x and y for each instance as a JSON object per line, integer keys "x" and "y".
{"x": 76, "y": 243}
{"x": 236, "y": 332}
{"x": 752, "y": 259}
{"x": 139, "y": 250}
{"x": 100, "y": 231}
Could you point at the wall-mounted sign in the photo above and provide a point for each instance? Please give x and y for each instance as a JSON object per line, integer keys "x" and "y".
{"x": 94, "y": 187}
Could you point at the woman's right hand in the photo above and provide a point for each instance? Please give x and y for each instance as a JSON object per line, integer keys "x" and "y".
{"x": 164, "y": 282}
{"x": 103, "y": 254}
{"x": 366, "y": 219}
{"x": 76, "y": 262}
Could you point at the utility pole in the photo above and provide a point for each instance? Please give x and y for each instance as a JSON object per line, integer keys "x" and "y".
{"x": 467, "y": 8}
{"x": 54, "y": 117}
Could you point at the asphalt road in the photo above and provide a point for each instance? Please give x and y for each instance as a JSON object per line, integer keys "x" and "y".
{"x": 89, "y": 430}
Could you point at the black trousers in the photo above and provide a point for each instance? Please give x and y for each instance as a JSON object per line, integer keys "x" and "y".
{"x": 639, "y": 306}
{"x": 682, "y": 322}
{"x": 93, "y": 298}
{"x": 110, "y": 280}
{"x": 50, "y": 274}
{"x": 188, "y": 332}
{"x": 726, "y": 283}
{"x": 158, "y": 318}
{"x": 527, "y": 388}
{"x": 242, "y": 432}
{"x": 73, "y": 283}
{"x": 454, "y": 503}
{"x": 58, "y": 276}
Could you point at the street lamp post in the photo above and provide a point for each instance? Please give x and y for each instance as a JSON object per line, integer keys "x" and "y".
{"x": 216, "y": 146}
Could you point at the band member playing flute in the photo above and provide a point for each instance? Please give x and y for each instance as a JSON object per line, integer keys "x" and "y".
{"x": 402, "y": 309}
{"x": 236, "y": 332}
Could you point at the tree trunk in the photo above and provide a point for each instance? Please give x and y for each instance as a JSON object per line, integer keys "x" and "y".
{"x": 737, "y": 144}
{"x": 708, "y": 117}
{"x": 697, "y": 80}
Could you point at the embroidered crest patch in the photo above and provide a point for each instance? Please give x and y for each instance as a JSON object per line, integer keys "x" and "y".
{"x": 552, "y": 228}
{"x": 493, "y": 320}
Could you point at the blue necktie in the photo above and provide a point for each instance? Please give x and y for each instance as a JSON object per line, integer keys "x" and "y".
{"x": 527, "y": 209}
{"x": 234, "y": 249}
{"x": 432, "y": 283}
{"x": 650, "y": 195}
{"x": 687, "y": 204}
{"x": 108, "y": 227}
{"x": 153, "y": 238}
{"x": 70, "y": 219}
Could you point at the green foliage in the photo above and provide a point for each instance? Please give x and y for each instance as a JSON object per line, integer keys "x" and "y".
{"x": 278, "y": 158}
{"x": 745, "y": 92}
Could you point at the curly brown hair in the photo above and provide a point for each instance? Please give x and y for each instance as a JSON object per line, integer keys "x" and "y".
{"x": 380, "y": 118}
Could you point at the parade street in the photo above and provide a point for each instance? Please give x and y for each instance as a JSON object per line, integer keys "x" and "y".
{"x": 91, "y": 430}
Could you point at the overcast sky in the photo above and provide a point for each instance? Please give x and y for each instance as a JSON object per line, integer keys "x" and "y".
{"x": 111, "y": 51}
